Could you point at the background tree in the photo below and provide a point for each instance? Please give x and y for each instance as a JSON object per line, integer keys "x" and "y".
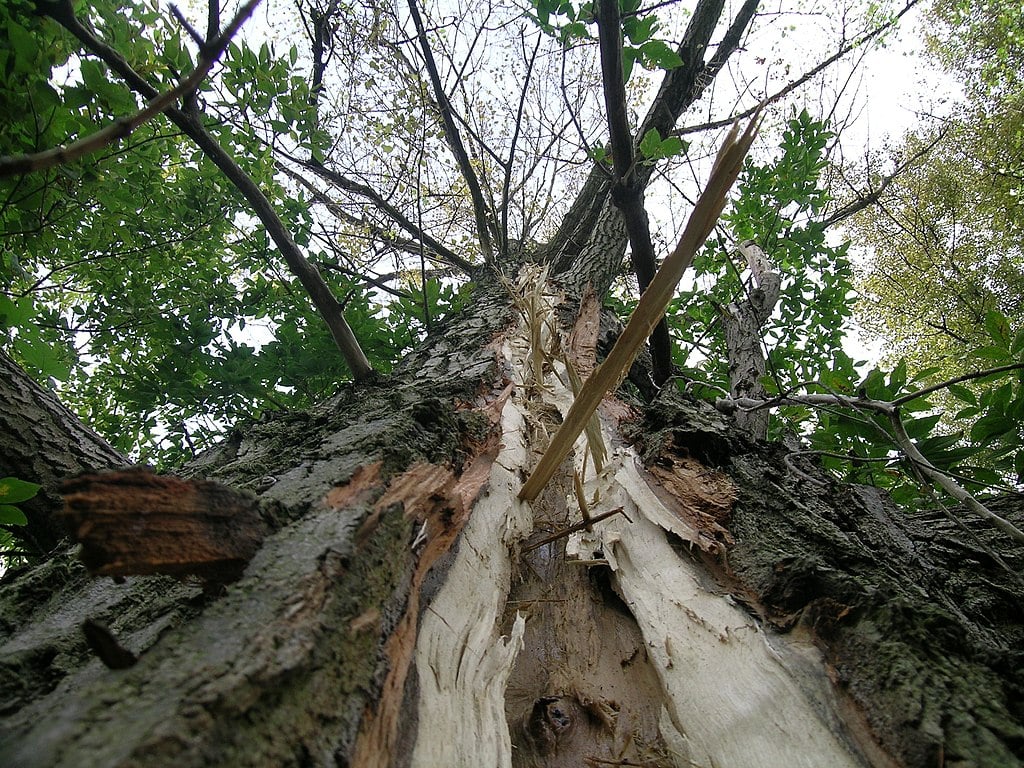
{"x": 943, "y": 277}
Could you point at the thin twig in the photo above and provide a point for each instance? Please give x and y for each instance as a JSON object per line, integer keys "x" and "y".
{"x": 453, "y": 138}
{"x": 573, "y": 528}
{"x": 957, "y": 380}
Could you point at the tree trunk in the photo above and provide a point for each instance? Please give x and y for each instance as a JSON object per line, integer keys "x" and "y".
{"x": 734, "y": 607}
{"x": 42, "y": 441}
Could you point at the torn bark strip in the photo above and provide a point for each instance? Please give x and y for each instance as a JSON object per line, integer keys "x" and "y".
{"x": 134, "y": 522}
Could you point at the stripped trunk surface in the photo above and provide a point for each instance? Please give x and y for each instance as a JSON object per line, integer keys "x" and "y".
{"x": 726, "y": 606}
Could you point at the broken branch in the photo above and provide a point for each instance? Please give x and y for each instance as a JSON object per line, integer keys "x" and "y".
{"x": 651, "y": 307}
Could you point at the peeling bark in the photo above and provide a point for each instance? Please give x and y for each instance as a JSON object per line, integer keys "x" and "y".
{"x": 135, "y": 522}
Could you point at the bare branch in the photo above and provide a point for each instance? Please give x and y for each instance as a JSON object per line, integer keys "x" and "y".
{"x": 451, "y": 132}
{"x": 509, "y": 164}
{"x": 957, "y": 380}
{"x": 809, "y": 75}
{"x": 947, "y": 483}
{"x": 351, "y": 185}
{"x": 874, "y": 194}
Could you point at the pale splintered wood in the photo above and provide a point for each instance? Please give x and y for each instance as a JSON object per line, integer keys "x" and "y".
{"x": 650, "y": 309}
{"x": 461, "y": 662}
{"x": 732, "y": 694}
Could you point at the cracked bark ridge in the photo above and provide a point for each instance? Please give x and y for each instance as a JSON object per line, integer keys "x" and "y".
{"x": 134, "y": 522}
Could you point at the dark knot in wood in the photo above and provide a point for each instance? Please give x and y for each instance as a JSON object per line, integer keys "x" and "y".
{"x": 551, "y": 721}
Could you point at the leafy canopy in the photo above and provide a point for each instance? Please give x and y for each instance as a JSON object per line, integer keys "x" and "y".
{"x": 139, "y": 281}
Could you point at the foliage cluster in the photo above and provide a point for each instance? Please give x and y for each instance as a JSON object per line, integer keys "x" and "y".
{"x": 944, "y": 279}
{"x": 137, "y": 281}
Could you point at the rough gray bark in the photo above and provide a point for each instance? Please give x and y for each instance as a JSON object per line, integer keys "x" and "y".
{"x": 295, "y": 664}
{"x": 279, "y": 669}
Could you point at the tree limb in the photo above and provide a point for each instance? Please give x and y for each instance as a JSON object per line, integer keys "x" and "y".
{"x": 809, "y": 75}
{"x": 957, "y": 380}
{"x": 451, "y": 132}
{"x": 508, "y": 164}
{"x": 627, "y": 194}
{"x": 899, "y": 436}
{"x": 862, "y": 201}
{"x": 679, "y": 88}
{"x": 123, "y": 127}
{"x": 62, "y": 11}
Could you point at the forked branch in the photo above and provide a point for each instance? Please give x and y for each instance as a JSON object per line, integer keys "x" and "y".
{"x": 890, "y": 409}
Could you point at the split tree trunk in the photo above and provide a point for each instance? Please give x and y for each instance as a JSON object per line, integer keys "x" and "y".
{"x": 735, "y": 609}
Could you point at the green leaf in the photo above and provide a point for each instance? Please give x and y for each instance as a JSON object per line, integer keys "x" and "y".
{"x": 918, "y": 428}
{"x": 629, "y": 58}
{"x": 43, "y": 357}
{"x": 639, "y": 30}
{"x": 15, "y": 314}
{"x": 24, "y": 45}
{"x": 658, "y": 53}
{"x": 992, "y": 352}
{"x": 988, "y": 427}
{"x": 898, "y": 377}
{"x": 925, "y": 373}
{"x": 998, "y": 329}
{"x": 962, "y": 393}
{"x": 12, "y": 515}
{"x": 15, "y": 491}
{"x": 653, "y": 147}
{"x": 1018, "y": 342}
{"x": 672, "y": 146}
{"x": 874, "y": 386}
{"x": 575, "y": 31}
{"x": 939, "y": 443}
{"x": 650, "y": 143}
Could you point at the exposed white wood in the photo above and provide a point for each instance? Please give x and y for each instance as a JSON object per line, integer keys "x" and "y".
{"x": 732, "y": 698}
{"x": 461, "y": 663}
